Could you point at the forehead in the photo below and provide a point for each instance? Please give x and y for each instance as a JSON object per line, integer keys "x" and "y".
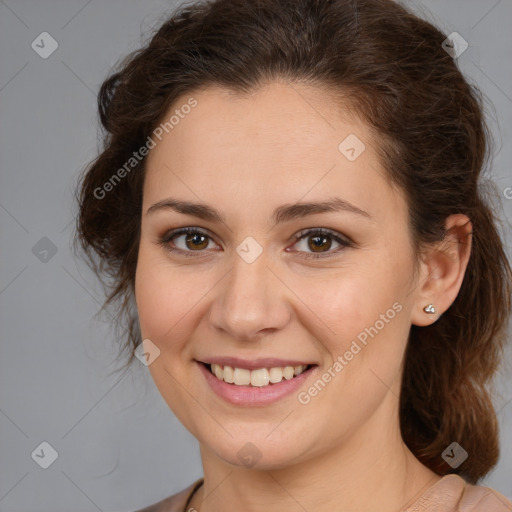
{"x": 279, "y": 114}
{"x": 281, "y": 138}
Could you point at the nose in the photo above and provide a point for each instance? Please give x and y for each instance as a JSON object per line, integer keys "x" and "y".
{"x": 251, "y": 301}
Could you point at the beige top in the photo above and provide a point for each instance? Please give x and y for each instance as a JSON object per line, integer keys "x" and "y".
{"x": 450, "y": 494}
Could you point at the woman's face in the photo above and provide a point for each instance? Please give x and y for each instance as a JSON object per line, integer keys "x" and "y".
{"x": 245, "y": 288}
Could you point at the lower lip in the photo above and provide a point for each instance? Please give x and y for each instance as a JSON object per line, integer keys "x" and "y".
{"x": 254, "y": 395}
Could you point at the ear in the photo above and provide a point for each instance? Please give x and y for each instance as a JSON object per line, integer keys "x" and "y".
{"x": 442, "y": 270}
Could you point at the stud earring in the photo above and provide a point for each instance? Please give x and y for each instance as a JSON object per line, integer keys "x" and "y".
{"x": 429, "y": 309}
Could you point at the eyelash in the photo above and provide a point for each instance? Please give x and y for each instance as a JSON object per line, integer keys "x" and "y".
{"x": 344, "y": 242}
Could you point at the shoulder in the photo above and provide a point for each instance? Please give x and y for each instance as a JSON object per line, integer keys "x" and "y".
{"x": 453, "y": 494}
{"x": 480, "y": 498}
{"x": 176, "y": 502}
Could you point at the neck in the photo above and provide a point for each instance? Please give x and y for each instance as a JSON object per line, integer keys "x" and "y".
{"x": 370, "y": 470}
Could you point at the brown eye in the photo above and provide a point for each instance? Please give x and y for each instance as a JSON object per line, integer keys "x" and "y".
{"x": 319, "y": 243}
{"x": 196, "y": 241}
{"x": 316, "y": 243}
{"x": 186, "y": 241}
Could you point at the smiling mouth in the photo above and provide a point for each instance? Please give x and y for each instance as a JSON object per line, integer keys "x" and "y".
{"x": 260, "y": 377}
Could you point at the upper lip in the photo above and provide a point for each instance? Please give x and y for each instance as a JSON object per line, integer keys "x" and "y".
{"x": 254, "y": 364}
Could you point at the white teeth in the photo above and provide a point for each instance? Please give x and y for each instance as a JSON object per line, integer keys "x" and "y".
{"x": 241, "y": 375}
{"x": 259, "y": 378}
{"x": 288, "y": 372}
{"x": 218, "y": 371}
{"x": 276, "y": 375}
{"x": 229, "y": 374}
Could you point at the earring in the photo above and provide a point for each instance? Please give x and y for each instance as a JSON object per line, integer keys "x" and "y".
{"x": 429, "y": 309}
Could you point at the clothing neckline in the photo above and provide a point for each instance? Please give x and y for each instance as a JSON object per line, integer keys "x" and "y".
{"x": 429, "y": 488}
{"x": 196, "y": 487}
{"x": 426, "y": 491}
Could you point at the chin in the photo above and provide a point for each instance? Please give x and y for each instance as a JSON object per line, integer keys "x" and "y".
{"x": 259, "y": 453}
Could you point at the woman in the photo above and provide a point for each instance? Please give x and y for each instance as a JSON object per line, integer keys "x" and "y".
{"x": 290, "y": 191}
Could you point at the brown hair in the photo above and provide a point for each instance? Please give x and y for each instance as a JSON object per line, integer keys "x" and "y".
{"x": 433, "y": 142}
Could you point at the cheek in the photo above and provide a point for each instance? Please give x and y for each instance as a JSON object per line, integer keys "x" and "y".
{"x": 365, "y": 341}
{"x": 361, "y": 314}
{"x": 167, "y": 316}
{"x": 161, "y": 296}
{"x": 171, "y": 303}
{"x": 353, "y": 299}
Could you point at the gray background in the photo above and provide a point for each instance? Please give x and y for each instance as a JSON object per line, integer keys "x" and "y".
{"x": 119, "y": 446}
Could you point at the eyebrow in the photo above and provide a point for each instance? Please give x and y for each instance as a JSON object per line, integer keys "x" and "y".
{"x": 281, "y": 214}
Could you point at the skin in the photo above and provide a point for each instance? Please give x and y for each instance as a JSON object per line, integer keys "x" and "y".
{"x": 245, "y": 155}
